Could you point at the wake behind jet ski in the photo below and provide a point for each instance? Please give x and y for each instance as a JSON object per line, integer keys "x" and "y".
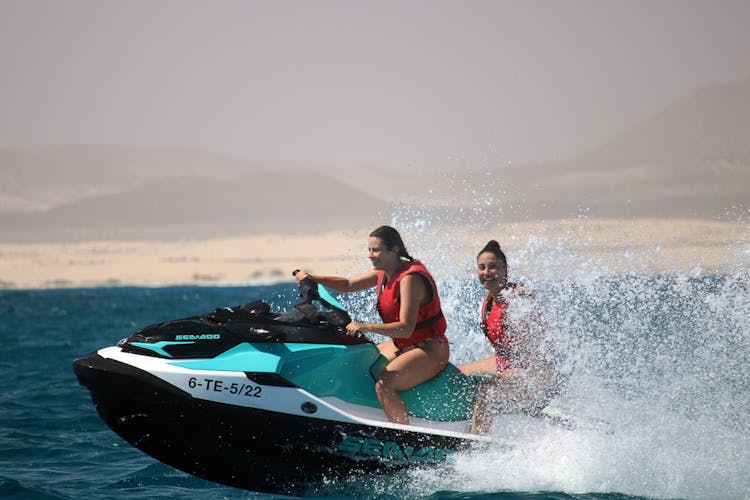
{"x": 264, "y": 401}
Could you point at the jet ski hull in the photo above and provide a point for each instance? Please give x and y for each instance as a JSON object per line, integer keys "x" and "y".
{"x": 246, "y": 446}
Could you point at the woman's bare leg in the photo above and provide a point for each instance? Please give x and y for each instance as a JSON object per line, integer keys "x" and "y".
{"x": 388, "y": 349}
{"x": 514, "y": 395}
{"x": 481, "y": 419}
{"x": 406, "y": 371}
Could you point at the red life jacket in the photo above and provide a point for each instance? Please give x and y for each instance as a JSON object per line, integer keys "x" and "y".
{"x": 430, "y": 320}
{"x": 493, "y": 325}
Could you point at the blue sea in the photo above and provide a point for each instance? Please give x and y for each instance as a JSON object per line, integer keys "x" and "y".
{"x": 656, "y": 403}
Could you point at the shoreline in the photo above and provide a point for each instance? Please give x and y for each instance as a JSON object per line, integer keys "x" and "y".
{"x": 552, "y": 247}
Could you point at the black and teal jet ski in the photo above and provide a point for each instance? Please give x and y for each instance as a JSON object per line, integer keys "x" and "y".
{"x": 263, "y": 401}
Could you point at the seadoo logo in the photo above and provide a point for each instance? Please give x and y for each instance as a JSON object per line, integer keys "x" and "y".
{"x": 202, "y": 336}
{"x": 391, "y": 450}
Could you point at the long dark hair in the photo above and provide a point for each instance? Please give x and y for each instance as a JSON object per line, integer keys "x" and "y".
{"x": 391, "y": 239}
{"x": 493, "y": 247}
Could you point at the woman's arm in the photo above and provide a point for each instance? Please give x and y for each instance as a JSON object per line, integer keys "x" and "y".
{"x": 413, "y": 293}
{"x": 368, "y": 279}
{"x": 535, "y": 349}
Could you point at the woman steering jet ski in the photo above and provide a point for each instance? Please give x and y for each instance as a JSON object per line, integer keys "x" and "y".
{"x": 251, "y": 398}
{"x": 409, "y": 306}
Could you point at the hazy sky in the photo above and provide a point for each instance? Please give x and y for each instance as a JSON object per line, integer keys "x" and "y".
{"x": 394, "y": 83}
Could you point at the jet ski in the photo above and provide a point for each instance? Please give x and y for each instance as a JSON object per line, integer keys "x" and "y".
{"x": 267, "y": 401}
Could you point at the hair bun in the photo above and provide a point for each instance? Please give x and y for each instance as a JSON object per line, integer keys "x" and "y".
{"x": 493, "y": 247}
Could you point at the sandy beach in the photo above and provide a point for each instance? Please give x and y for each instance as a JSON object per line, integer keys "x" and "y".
{"x": 609, "y": 245}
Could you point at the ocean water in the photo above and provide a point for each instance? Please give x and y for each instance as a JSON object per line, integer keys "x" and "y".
{"x": 656, "y": 402}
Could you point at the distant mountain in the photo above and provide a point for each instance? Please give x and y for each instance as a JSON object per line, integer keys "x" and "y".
{"x": 199, "y": 207}
{"x": 42, "y": 178}
{"x": 708, "y": 127}
{"x": 692, "y": 159}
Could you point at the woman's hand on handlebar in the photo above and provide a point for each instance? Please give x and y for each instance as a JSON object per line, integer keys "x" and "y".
{"x": 354, "y": 328}
{"x": 300, "y": 275}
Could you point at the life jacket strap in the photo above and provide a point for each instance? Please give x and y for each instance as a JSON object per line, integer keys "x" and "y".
{"x": 429, "y": 321}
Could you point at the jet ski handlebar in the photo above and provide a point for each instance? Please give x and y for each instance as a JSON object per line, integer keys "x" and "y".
{"x": 309, "y": 290}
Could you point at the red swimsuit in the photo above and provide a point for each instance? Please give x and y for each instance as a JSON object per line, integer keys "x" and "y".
{"x": 493, "y": 324}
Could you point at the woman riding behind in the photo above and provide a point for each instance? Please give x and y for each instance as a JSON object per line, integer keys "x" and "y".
{"x": 409, "y": 305}
{"x": 523, "y": 364}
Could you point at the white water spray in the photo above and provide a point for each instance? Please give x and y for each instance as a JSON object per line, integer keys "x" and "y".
{"x": 656, "y": 365}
